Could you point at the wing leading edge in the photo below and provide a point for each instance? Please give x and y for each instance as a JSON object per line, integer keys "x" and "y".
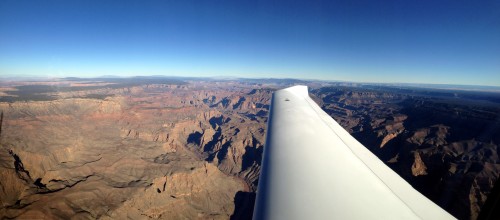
{"x": 313, "y": 169}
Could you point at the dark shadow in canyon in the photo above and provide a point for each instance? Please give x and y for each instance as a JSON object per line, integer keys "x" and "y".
{"x": 243, "y": 205}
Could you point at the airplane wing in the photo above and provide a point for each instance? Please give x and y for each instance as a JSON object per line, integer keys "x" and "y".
{"x": 313, "y": 169}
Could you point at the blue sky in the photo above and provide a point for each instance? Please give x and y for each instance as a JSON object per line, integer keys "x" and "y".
{"x": 452, "y": 42}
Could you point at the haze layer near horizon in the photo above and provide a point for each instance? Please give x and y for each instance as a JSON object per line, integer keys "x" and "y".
{"x": 451, "y": 42}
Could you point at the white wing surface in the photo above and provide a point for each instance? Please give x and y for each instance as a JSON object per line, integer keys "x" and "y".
{"x": 313, "y": 169}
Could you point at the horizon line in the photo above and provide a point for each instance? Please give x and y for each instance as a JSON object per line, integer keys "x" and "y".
{"x": 35, "y": 77}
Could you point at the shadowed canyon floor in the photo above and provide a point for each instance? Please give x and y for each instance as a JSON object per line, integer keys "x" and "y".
{"x": 162, "y": 148}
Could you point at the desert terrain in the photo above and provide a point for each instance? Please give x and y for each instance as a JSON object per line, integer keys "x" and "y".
{"x": 186, "y": 148}
{"x": 445, "y": 143}
{"x": 147, "y": 149}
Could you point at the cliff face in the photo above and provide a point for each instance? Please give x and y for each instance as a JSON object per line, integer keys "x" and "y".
{"x": 446, "y": 147}
{"x": 199, "y": 193}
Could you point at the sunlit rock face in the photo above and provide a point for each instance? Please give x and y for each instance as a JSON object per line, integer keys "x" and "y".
{"x": 170, "y": 149}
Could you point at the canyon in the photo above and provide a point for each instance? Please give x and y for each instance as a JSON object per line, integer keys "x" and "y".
{"x": 190, "y": 148}
{"x": 444, "y": 143}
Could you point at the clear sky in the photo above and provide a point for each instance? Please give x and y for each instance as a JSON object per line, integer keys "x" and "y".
{"x": 417, "y": 41}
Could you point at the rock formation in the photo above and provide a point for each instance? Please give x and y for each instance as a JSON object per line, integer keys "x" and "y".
{"x": 444, "y": 143}
{"x": 165, "y": 149}
{"x": 144, "y": 151}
